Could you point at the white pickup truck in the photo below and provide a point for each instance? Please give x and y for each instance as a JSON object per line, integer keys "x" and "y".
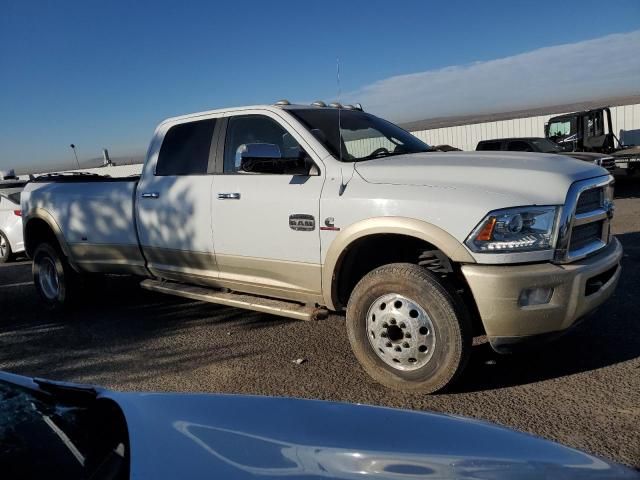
{"x": 304, "y": 210}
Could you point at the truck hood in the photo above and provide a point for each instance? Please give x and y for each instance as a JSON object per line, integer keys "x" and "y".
{"x": 530, "y": 178}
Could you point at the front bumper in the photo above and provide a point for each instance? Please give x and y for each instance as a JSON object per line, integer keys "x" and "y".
{"x": 578, "y": 288}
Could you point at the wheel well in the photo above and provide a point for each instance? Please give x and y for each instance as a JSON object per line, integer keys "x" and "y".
{"x": 371, "y": 252}
{"x": 37, "y": 231}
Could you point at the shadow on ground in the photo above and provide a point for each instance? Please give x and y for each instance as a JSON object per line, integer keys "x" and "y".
{"x": 118, "y": 331}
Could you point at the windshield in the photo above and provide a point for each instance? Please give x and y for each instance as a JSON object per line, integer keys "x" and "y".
{"x": 562, "y": 128}
{"x": 362, "y": 136}
{"x": 546, "y": 146}
{"x": 40, "y": 434}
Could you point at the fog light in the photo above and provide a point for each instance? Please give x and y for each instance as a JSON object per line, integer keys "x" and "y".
{"x": 535, "y": 296}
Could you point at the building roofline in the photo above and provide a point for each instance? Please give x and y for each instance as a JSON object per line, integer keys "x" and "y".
{"x": 453, "y": 121}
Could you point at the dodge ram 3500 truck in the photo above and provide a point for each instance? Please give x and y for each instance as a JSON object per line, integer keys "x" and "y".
{"x": 303, "y": 210}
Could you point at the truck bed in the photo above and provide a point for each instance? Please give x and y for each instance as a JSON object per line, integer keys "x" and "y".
{"x": 95, "y": 215}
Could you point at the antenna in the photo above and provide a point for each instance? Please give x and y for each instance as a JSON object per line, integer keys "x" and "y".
{"x": 339, "y": 109}
{"x": 338, "y": 105}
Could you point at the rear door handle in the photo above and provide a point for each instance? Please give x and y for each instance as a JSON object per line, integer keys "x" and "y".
{"x": 151, "y": 195}
{"x": 228, "y": 196}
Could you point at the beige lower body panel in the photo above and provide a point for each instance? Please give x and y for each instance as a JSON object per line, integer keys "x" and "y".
{"x": 497, "y": 290}
{"x": 107, "y": 258}
{"x": 274, "y": 278}
{"x": 182, "y": 265}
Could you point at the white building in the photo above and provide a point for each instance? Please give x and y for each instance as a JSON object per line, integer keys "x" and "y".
{"x": 466, "y": 132}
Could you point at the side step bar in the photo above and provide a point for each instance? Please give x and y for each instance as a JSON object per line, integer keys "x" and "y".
{"x": 238, "y": 300}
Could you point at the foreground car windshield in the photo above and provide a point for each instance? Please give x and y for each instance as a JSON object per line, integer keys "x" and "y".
{"x": 362, "y": 136}
{"x": 43, "y": 436}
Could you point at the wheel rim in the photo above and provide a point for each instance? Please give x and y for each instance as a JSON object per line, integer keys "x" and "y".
{"x": 3, "y": 246}
{"x": 48, "y": 278}
{"x": 400, "y": 332}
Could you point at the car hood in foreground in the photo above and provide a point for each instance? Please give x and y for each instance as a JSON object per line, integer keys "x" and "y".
{"x": 204, "y": 436}
{"x": 231, "y": 436}
{"x": 532, "y": 177}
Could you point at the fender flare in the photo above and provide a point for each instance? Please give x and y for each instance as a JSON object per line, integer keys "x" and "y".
{"x": 46, "y": 217}
{"x": 410, "y": 227}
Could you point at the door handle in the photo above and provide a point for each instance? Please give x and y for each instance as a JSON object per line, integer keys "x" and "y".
{"x": 153, "y": 195}
{"x": 228, "y": 196}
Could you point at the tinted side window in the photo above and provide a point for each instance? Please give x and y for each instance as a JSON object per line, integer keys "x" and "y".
{"x": 185, "y": 149}
{"x": 248, "y": 129}
{"x": 489, "y": 146}
{"x": 519, "y": 146}
{"x": 594, "y": 125}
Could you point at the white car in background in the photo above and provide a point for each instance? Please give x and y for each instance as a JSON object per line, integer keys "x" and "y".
{"x": 11, "y": 240}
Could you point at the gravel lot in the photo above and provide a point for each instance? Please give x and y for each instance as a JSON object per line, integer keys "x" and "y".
{"x": 583, "y": 391}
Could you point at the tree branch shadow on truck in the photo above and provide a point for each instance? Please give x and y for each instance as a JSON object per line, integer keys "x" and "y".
{"x": 609, "y": 336}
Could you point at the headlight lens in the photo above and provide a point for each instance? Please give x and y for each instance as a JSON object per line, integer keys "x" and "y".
{"x": 521, "y": 229}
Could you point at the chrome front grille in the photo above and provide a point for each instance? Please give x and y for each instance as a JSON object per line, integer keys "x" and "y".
{"x": 590, "y": 200}
{"x": 584, "y": 223}
{"x": 583, "y": 235}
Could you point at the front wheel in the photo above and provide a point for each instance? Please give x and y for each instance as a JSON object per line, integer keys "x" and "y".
{"x": 54, "y": 279}
{"x": 407, "y": 330}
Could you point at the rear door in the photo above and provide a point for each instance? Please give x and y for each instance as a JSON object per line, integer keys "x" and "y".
{"x": 265, "y": 225}
{"x": 174, "y": 204}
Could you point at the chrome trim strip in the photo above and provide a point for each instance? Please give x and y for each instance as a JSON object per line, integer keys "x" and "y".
{"x": 590, "y": 217}
{"x": 568, "y": 218}
{"x": 588, "y": 249}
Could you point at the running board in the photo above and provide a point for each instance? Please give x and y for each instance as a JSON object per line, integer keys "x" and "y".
{"x": 238, "y": 300}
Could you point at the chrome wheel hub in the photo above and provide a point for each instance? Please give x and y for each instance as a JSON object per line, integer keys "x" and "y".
{"x": 3, "y": 247}
{"x": 400, "y": 332}
{"x": 48, "y": 278}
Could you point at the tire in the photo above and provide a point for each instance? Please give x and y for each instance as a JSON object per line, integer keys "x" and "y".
{"x": 407, "y": 330}
{"x": 5, "y": 249}
{"x": 55, "y": 280}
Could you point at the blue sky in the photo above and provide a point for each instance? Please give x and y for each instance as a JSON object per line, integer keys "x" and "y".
{"x": 103, "y": 74}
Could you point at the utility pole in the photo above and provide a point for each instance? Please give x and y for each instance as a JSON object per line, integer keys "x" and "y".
{"x": 73, "y": 147}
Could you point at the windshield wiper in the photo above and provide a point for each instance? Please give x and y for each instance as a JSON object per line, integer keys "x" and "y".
{"x": 391, "y": 154}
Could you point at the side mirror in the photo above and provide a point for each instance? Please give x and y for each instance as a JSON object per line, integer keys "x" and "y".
{"x": 267, "y": 158}
{"x": 260, "y": 158}
{"x": 261, "y": 151}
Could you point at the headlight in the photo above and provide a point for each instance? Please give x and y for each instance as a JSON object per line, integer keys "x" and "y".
{"x": 521, "y": 229}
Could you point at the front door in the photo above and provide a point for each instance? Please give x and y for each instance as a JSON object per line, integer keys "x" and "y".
{"x": 265, "y": 225}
